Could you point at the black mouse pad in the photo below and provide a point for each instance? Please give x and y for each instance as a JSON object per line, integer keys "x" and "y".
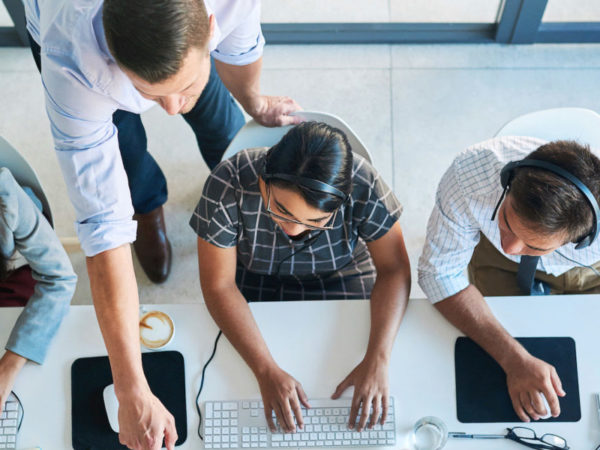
{"x": 165, "y": 373}
{"x": 481, "y": 392}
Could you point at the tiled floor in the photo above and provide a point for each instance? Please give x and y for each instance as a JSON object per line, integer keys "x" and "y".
{"x": 415, "y": 107}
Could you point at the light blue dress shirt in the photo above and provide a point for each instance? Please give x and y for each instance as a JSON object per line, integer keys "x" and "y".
{"x": 84, "y": 86}
{"x": 23, "y": 228}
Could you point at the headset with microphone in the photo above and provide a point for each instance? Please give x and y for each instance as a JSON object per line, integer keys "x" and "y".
{"x": 308, "y": 183}
{"x": 508, "y": 172}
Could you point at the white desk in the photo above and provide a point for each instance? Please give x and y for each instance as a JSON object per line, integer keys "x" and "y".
{"x": 319, "y": 343}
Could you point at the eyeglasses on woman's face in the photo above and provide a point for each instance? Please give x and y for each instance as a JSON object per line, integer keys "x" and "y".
{"x": 329, "y": 223}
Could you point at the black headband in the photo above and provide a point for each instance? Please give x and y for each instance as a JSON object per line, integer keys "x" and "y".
{"x": 309, "y": 183}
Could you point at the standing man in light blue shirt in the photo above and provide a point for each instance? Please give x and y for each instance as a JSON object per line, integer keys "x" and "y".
{"x": 103, "y": 63}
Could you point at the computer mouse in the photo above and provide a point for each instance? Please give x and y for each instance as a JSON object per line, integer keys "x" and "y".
{"x": 112, "y": 406}
{"x": 545, "y": 402}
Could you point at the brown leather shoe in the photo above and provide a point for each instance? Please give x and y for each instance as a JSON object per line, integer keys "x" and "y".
{"x": 152, "y": 246}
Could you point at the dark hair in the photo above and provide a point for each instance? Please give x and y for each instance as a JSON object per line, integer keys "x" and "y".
{"x": 313, "y": 150}
{"x": 152, "y": 37}
{"x": 550, "y": 203}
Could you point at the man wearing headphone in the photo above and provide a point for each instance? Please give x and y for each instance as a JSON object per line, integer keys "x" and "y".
{"x": 520, "y": 216}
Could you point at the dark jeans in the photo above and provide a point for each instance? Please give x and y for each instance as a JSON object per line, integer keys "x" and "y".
{"x": 215, "y": 120}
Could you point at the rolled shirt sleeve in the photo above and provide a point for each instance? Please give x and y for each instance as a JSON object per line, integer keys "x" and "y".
{"x": 87, "y": 148}
{"x": 25, "y": 227}
{"x": 245, "y": 43}
{"x": 452, "y": 234}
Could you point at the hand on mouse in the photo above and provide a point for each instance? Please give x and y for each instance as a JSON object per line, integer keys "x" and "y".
{"x": 526, "y": 378}
{"x": 10, "y": 366}
{"x": 144, "y": 421}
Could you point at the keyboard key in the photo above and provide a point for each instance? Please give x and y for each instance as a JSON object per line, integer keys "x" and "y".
{"x": 241, "y": 424}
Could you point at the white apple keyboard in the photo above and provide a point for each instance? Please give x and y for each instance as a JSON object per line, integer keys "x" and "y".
{"x": 10, "y": 418}
{"x": 242, "y": 424}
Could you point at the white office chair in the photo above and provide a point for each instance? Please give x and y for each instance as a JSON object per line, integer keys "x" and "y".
{"x": 578, "y": 124}
{"x": 254, "y": 135}
{"x": 26, "y": 176}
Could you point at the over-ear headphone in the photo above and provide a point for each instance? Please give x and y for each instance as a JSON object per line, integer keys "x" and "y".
{"x": 309, "y": 183}
{"x": 508, "y": 172}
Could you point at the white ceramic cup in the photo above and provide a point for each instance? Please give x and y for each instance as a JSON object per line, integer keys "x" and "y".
{"x": 157, "y": 329}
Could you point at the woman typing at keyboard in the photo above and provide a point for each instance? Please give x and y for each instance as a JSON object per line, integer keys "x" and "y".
{"x": 304, "y": 220}
{"x": 34, "y": 271}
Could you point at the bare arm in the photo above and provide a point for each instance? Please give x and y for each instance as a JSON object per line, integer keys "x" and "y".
{"x": 244, "y": 84}
{"x": 143, "y": 420}
{"x": 228, "y": 307}
{"x": 10, "y": 366}
{"x": 389, "y": 299}
{"x": 526, "y": 376}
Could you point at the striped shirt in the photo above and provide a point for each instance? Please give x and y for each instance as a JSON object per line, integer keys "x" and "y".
{"x": 465, "y": 201}
{"x": 231, "y": 212}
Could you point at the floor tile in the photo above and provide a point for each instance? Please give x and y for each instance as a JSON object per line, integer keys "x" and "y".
{"x": 491, "y": 56}
{"x": 327, "y": 56}
{"x": 360, "y": 97}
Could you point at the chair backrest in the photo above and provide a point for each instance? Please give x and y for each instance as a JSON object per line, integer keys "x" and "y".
{"x": 578, "y": 124}
{"x": 24, "y": 174}
{"x": 255, "y": 135}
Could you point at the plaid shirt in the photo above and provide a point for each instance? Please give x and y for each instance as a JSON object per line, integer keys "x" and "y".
{"x": 231, "y": 212}
{"x": 465, "y": 201}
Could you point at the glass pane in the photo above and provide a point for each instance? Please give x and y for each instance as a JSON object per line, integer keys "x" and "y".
{"x": 472, "y": 11}
{"x": 4, "y": 17}
{"x": 572, "y": 11}
{"x": 524, "y": 433}
{"x": 552, "y": 439}
{"x": 428, "y": 11}
{"x": 294, "y": 11}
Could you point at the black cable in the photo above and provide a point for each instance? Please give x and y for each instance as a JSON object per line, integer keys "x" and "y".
{"x": 22, "y": 410}
{"x": 202, "y": 383}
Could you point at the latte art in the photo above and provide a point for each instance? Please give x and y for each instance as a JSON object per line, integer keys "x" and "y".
{"x": 156, "y": 329}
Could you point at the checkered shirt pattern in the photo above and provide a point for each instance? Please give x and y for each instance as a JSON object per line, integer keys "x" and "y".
{"x": 331, "y": 264}
{"x": 465, "y": 201}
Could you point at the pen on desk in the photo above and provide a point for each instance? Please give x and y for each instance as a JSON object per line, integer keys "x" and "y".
{"x": 461, "y": 435}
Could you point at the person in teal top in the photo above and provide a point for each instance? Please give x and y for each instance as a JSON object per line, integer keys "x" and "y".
{"x": 25, "y": 232}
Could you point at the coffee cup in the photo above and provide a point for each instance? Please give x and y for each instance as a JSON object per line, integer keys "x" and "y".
{"x": 156, "y": 330}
